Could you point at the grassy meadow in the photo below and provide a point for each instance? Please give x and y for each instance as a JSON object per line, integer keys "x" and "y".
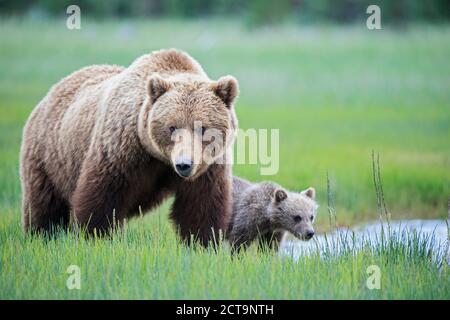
{"x": 335, "y": 94}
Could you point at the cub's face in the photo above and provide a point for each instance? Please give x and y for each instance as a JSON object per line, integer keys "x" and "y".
{"x": 295, "y": 212}
{"x": 191, "y": 122}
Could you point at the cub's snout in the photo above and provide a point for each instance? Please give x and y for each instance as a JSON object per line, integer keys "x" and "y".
{"x": 309, "y": 234}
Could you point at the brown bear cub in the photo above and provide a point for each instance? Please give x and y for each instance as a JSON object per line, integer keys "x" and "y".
{"x": 264, "y": 211}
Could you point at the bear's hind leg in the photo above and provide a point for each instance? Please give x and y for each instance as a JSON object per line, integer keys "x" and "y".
{"x": 42, "y": 208}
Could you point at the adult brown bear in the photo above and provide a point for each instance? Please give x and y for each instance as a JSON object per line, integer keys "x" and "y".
{"x": 100, "y": 146}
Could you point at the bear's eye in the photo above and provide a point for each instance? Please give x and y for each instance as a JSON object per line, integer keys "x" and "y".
{"x": 312, "y": 218}
{"x": 200, "y": 131}
{"x": 297, "y": 218}
{"x": 172, "y": 129}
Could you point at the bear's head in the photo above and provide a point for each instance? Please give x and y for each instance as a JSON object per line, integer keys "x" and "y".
{"x": 294, "y": 212}
{"x": 189, "y": 121}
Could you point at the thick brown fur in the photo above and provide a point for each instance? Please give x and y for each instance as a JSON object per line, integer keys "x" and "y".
{"x": 98, "y": 146}
{"x": 264, "y": 211}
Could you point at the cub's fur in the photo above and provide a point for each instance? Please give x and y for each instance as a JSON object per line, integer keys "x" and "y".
{"x": 264, "y": 211}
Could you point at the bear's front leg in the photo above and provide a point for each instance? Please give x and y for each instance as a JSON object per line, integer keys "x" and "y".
{"x": 202, "y": 207}
{"x": 97, "y": 202}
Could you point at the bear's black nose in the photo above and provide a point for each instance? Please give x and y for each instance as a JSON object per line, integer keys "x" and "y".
{"x": 309, "y": 234}
{"x": 184, "y": 167}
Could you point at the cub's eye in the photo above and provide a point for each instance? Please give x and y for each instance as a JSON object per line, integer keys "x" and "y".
{"x": 172, "y": 129}
{"x": 297, "y": 219}
{"x": 311, "y": 218}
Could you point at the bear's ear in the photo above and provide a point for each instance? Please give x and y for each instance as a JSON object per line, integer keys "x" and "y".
{"x": 279, "y": 195}
{"x": 157, "y": 86}
{"x": 227, "y": 89}
{"x": 310, "y": 193}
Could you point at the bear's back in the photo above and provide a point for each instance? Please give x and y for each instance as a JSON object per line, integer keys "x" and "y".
{"x": 46, "y": 136}
{"x": 167, "y": 62}
{"x": 64, "y": 93}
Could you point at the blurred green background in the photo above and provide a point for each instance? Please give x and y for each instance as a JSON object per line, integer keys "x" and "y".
{"x": 312, "y": 69}
{"x": 253, "y": 12}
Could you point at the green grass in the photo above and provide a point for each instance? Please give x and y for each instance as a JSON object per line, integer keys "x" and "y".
{"x": 335, "y": 93}
{"x": 147, "y": 262}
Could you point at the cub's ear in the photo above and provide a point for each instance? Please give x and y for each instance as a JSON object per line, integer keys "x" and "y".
{"x": 310, "y": 193}
{"x": 227, "y": 89}
{"x": 157, "y": 86}
{"x": 279, "y": 195}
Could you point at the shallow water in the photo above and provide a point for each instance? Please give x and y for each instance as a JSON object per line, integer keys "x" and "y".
{"x": 432, "y": 233}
